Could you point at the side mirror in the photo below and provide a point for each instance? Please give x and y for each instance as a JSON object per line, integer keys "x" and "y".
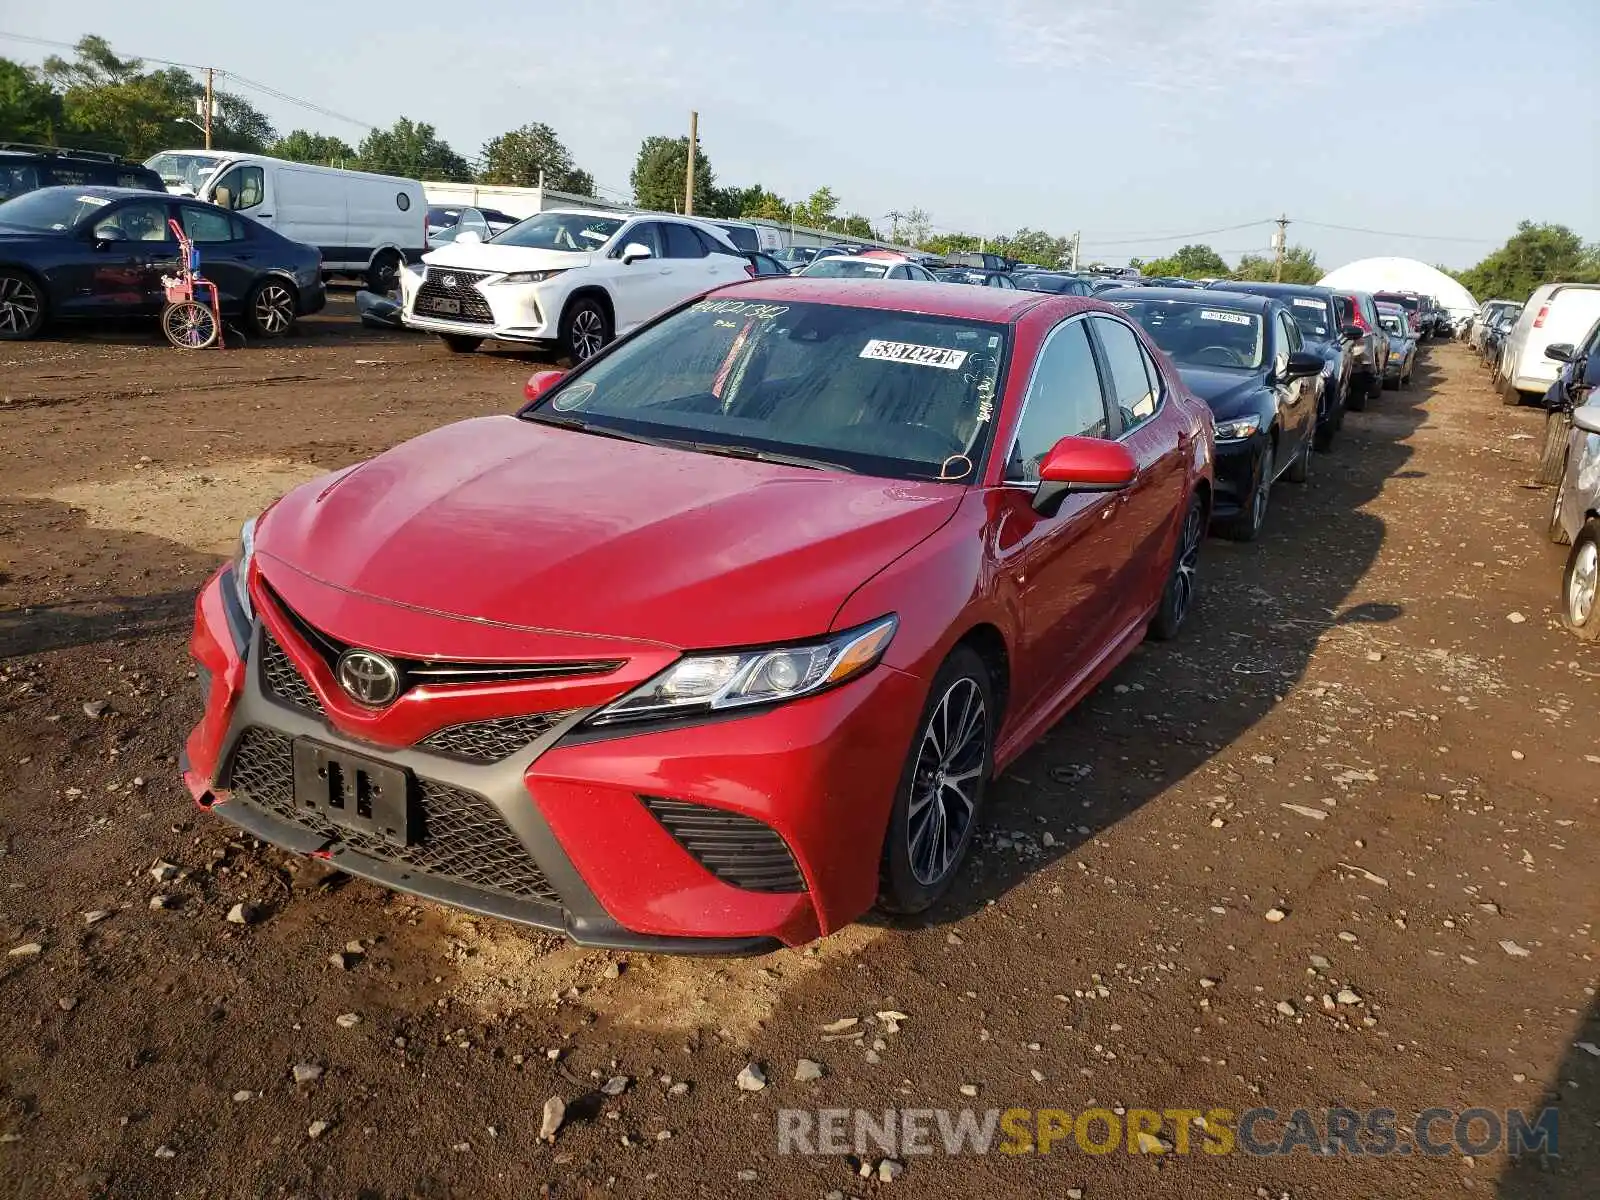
{"x": 468, "y": 236}
{"x": 1353, "y": 333}
{"x": 1587, "y": 417}
{"x": 1302, "y": 364}
{"x": 1080, "y": 464}
{"x": 541, "y": 382}
{"x": 634, "y": 251}
{"x": 1560, "y": 351}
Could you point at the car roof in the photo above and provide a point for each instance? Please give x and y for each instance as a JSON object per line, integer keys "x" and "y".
{"x": 1235, "y": 300}
{"x": 600, "y": 212}
{"x": 901, "y": 295}
{"x": 107, "y": 192}
{"x": 1262, "y": 287}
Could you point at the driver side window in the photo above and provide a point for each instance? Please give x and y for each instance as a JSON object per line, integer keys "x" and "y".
{"x": 644, "y": 233}
{"x": 142, "y": 221}
{"x": 1064, "y": 399}
{"x": 245, "y": 185}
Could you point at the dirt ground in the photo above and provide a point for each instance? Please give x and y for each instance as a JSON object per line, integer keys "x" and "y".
{"x": 1386, "y": 660}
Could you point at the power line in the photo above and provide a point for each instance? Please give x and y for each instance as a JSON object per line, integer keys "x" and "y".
{"x": 1425, "y": 237}
{"x": 237, "y": 78}
{"x": 1173, "y": 237}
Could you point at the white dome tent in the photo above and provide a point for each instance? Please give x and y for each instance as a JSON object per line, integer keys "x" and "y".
{"x": 1403, "y": 275}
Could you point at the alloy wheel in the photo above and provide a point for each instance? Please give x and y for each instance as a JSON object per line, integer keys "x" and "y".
{"x": 274, "y": 310}
{"x": 1183, "y": 583}
{"x": 19, "y": 305}
{"x": 944, "y": 790}
{"x": 588, "y": 333}
{"x": 1582, "y": 583}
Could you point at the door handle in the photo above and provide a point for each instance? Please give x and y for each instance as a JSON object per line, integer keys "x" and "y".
{"x": 263, "y": 216}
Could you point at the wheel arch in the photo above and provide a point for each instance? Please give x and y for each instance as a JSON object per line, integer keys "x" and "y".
{"x": 590, "y": 291}
{"x": 989, "y": 644}
{"x": 35, "y": 275}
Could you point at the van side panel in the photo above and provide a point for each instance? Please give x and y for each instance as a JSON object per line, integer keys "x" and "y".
{"x": 1573, "y": 310}
{"x": 311, "y": 209}
{"x": 378, "y": 219}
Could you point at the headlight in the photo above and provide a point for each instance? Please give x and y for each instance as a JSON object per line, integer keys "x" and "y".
{"x": 704, "y": 683}
{"x": 241, "y": 566}
{"x": 1237, "y": 430}
{"x": 531, "y": 276}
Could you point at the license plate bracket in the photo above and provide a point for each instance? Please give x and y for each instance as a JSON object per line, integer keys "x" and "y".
{"x": 361, "y": 794}
{"x": 444, "y": 304}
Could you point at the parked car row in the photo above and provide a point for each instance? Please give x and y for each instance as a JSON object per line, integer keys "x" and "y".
{"x": 1571, "y": 461}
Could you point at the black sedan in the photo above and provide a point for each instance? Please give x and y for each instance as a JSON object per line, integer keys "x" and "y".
{"x": 1059, "y": 283}
{"x": 71, "y": 253}
{"x": 1244, "y": 356}
{"x": 1317, "y": 313}
{"x": 975, "y": 277}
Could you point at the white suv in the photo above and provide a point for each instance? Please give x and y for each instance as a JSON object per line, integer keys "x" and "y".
{"x": 566, "y": 279}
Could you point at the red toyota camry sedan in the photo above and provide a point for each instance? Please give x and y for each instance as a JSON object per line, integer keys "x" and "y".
{"x": 717, "y": 642}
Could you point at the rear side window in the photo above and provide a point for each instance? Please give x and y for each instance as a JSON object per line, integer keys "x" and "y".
{"x": 680, "y": 241}
{"x": 743, "y": 238}
{"x": 202, "y": 225}
{"x": 16, "y": 180}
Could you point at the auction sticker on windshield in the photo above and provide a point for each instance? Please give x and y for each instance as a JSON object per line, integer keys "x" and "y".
{"x": 1211, "y": 314}
{"x": 908, "y": 352}
{"x": 1307, "y": 302}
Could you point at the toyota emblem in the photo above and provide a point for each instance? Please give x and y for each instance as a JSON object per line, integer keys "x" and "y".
{"x": 449, "y": 281}
{"x": 368, "y": 678}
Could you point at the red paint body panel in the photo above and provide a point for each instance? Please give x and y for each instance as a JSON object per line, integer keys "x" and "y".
{"x": 501, "y": 541}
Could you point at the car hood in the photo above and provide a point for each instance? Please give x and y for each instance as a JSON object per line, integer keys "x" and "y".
{"x": 1227, "y": 393}
{"x": 543, "y": 529}
{"x": 486, "y": 256}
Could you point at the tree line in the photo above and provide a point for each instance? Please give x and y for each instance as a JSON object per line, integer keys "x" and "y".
{"x": 97, "y": 100}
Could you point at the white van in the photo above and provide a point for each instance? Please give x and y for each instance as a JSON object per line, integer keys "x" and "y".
{"x": 1557, "y": 312}
{"x": 750, "y": 238}
{"x": 365, "y": 225}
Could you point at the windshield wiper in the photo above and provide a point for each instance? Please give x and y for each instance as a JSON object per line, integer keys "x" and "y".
{"x": 586, "y": 427}
{"x": 766, "y": 456}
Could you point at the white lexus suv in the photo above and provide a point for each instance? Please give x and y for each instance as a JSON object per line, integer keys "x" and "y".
{"x": 568, "y": 280}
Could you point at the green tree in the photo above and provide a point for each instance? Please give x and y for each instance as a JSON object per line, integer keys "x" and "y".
{"x": 1299, "y": 266}
{"x": 1034, "y": 246}
{"x": 658, "y": 175}
{"x": 412, "y": 150}
{"x": 113, "y": 103}
{"x": 857, "y": 225}
{"x": 1536, "y": 254}
{"x": 758, "y": 201}
{"x": 820, "y": 209}
{"x": 522, "y": 156}
{"x": 319, "y": 148}
{"x": 29, "y": 110}
{"x": 1194, "y": 261}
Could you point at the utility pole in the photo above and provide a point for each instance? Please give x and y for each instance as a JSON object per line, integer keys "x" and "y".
{"x": 1077, "y": 239}
{"x": 688, "y": 182}
{"x": 1280, "y": 241}
{"x": 894, "y": 236}
{"x": 209, "y": 82}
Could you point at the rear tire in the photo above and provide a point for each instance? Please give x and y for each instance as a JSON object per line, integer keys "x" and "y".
{"x": 923, "y": 850}
{"x": 1509, "y": 396}
{"x": 1556, "y": 531}
{"x": 1553, "y": 459}
{"x": 460, "y": 343}
{"x": 1356, "y": 401}
{"x": 1580, "y": 605}
{"x": 1177, "y": 598}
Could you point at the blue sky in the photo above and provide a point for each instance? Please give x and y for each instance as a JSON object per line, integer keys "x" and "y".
{"x": 1450, "y": 118}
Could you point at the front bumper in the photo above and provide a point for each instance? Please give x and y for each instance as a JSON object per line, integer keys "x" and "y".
{"x": 570, "y": 825}
{"x": 506, "y": 312}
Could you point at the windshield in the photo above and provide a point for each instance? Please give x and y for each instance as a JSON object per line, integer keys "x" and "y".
{"x": 1409, "y": 303}
{"x": 1311, "y": 315}
{"x": 50, "y": 209}
{"x": 561, "y": 231}
{"x": 1200, "y": 334}
{"x": 189, "y": 170}
{"x": 859, "y": 389}
{"x": 845, "y": 268}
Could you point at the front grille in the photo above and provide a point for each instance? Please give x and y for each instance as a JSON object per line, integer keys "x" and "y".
{"x": 474, "y": 307}
{"x": 460, "y": 836}
{"x": 416, "y": 672}
{"x": 735, "y": 848}
{"x": 490, "y": 741}
{"x": 282, "y": 679}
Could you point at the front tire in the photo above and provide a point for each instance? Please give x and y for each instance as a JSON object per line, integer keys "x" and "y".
{"x": 1246, "y": 527}
{"x": 1300, "y": 469}
{"x": 1580, "y": 611}
{"x": 22, "y": 307}
{"x": 1177, "y": 598}
{"x": 941, "y": 789}
{"x": 270, "y": 310}
{"x": 585, "y": 329}
{"x": 1357, "y": 399}
{"x": 460, "y": 343}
